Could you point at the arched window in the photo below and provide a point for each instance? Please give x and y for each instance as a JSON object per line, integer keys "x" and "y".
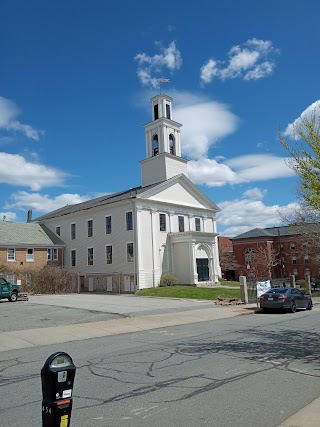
{"x": 172, "y": 144}
{"x": 249, "y": 254}
{"x": 155, "y": 145}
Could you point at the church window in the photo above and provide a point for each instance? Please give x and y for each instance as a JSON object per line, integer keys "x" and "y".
{"x": 168, "y": 112}
{"x": 162, "y": 218}
{"x": 129, "y": 220}
{"x": 198, "y": 224}
{"x": 90, "y": 256}
{"x": 155, "y": 145}
{"x": 90, "y": 227}
{"x": 156, "y": 111}
{"x": 172, "y": 144}
{"x": 130, "y": 252}
{"x": 73, "y": 258}
{"x": 108, "y": 225}
{"x": 73, "y": 231}
{"x": 109, "y": 254}
{"x": 181, "y": 223}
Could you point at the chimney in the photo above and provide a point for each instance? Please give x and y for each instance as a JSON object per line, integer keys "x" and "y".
{"x": 29, "y": 215}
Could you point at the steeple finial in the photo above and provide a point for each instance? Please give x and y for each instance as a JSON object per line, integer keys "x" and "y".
{"x": 162, "y": 80}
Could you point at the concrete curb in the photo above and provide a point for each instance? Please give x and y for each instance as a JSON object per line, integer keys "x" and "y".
{"x": 308, "y": 416}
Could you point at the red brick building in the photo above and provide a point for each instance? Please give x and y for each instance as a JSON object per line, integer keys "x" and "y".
{"x": 278, "y": 252}
{"x": 228, "y": 263}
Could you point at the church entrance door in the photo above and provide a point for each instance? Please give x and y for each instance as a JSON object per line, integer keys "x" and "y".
{"x": 203, "y": 269}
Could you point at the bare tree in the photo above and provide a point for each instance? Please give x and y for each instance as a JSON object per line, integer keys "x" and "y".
{"x": 227, "y": 259}
{"x": 262, "y": 263}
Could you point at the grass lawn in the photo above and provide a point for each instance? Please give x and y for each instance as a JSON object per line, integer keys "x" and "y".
{"x": 229, "y": 283}
{"x": 189, "y": 292}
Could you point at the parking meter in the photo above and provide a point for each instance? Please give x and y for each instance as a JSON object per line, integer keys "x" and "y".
{"x": 57, "y": 376}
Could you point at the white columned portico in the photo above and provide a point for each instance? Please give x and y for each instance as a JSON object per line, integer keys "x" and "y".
{"x": 139, "y": 253}
{"x": 155, "y": 254}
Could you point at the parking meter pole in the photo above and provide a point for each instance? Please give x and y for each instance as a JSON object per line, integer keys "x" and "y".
{"x": 57, "y": 376}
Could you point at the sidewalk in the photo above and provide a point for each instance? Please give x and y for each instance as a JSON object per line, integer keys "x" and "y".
{"x": 14, "y": 340}
{"x": 309, "y": 416}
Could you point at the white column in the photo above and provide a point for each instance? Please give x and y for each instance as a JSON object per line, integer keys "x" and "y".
{"x": 155, "y": 254}
{"x": 139, "y": 252}
{"x": 190, "y": 222}
{"x": 192, "y": 261}
{"x": 171, "y": 227}
{"x": 204, "y": 228}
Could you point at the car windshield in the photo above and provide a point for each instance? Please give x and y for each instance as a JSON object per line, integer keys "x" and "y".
{"x": 277, "y": 291}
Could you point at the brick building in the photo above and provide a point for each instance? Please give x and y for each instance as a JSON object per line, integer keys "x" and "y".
{"x": 228, "y": 262}
{"x": 278, "y": 252}
{"x": 27, "y": 247}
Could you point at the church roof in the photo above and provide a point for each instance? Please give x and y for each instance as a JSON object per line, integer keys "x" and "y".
{"x": 132, "y": 193}
{"x": 99, "y": 201}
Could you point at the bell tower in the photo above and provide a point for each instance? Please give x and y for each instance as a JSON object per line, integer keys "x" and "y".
{"x": 163, "y": 149}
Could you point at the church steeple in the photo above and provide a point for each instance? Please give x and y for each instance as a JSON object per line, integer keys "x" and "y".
{"x": 163, "y": 147}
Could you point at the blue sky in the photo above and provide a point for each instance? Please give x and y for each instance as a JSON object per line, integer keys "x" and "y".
{"x": 76, "y": 78}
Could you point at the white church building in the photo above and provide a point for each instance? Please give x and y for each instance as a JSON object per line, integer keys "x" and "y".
{"x": 129, "y": 240}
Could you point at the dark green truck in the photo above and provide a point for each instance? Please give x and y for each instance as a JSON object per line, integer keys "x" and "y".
{"x": 7, "y": 290}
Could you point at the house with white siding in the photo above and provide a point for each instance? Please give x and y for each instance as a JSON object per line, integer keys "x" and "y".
{"x": 128, "y": 240}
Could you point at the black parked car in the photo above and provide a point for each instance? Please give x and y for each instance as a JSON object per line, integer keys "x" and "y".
{"x": 285, "y": 299}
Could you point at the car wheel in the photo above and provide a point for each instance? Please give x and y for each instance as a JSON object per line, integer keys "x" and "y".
{"x": 293, "y": 307}
{"x": 13, "y": 297}
{"x": 309, "y": 305}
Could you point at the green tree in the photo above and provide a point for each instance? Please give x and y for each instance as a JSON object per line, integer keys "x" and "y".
{"x": 304, "y": 160}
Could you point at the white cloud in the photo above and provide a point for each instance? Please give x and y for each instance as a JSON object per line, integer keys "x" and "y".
{"x": 259, "y": 167}
{"x": 209, "y": 71}
{"x": 8, "y": 216}
{"x": 313, "y": 109}
{"x": 249, "y": 168}
{"x": 249, "y": 212}
{"x": 204, "y": 123}
{"x": 169, "y": 58}
{"x": 252, "y": 60}
{"x": 15, "y": 170}
{"x": 8, "y": 120}
{"x": 42, "y": 202}
{"x": 210, "y": 173}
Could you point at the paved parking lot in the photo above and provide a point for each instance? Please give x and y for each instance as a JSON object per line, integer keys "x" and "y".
{"x": 57, "y": 310}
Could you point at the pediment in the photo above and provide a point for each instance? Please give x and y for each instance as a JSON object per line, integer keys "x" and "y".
{"x": 180, "y": 191}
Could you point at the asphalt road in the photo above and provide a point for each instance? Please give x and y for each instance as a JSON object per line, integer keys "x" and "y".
{"x": 254, "y": 370}
{"x": 56, "y": 310}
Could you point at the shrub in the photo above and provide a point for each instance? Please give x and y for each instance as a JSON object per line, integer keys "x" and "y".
{"x": 52, "y": 280}
{"x": 168, "y": 280}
